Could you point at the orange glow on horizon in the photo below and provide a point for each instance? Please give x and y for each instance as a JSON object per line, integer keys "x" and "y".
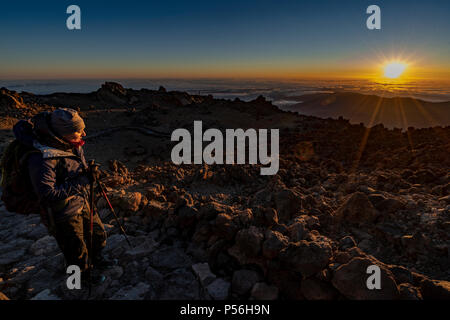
{"x": 289, "y": 70}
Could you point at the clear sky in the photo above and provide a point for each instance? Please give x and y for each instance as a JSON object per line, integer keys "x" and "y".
{"x": 222, "y": 39}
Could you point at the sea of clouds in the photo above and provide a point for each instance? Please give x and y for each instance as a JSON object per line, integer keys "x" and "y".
{"x": 281, "y": 93}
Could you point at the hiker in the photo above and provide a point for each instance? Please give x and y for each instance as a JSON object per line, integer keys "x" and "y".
{"x": 60, "y": 177}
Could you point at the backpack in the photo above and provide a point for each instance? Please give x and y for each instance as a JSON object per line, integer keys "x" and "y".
{"x": 17, "y": 191}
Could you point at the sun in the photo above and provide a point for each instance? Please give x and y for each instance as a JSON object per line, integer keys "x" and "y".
{"x": 394, "y": 69}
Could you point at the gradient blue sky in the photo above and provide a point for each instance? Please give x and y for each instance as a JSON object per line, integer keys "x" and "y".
{"x": 214, "y": 39}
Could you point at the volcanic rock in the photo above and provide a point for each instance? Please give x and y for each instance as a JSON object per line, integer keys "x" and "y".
{"x": 243, "y": 281}
{"x": 315, "y": 289}
{"x": 248, "y": 244}
{"x": 203, "y": 273}
{"x": 306, "y": 257}
{"x": 219, "y": 289}
{"x": 435, "y": 289}
{"x": 409, "y": 292}
{"x": 262, "y": 291}
{"x": 356, "y": 208}
{"x": 350, "y": 280}
{"x": 274, "y": 242}
{"x": 287, "y": 203}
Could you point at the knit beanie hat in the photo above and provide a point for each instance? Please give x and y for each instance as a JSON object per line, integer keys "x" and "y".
{"x": 66, "y": 121}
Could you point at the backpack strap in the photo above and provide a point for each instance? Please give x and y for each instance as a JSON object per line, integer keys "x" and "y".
{"x": 22, "y": 161}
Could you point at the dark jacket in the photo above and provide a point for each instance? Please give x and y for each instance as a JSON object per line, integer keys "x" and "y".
{"x": 58, "y": 171}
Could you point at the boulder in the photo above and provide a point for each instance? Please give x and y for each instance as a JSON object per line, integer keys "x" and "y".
{"x": 307, "y": 257}
{"x": 11, "y": 256}
{"x": 114, "y": 241}
{"x": 155, "y": 210}
{"x": 346, "y": 243}
{"x": 45, "y": 295}
{"x": 315, "y": 289}
{"x": 401, "y": 274}
{"x": 288, "y": 203}
{"x": 413, "y": 244}
{"x": 129, "y": 202}
{"x": 248, "y": 243}
{"x": 270, "y": 216}
{"x": 342, "y": 257}
{"x": 263, "y": 291}
{"x": 154, "y": 192}
{"x": 44, "y": 246}
{"x": 184, "y": 200}
{"x": 297, "y": 231}
{"x": 219, "y": 289}
{"x": 112, "y": 181}
{"x": 390, "y": 205}
{"x": 118, "y": 167}
{"x": 409, "y": 292}
{"x": 245, "y": 217}
{"x": 154, "y": 278}
{"x": 203, "y": 273}
{"x": 274, "y": 242}
{"x": 287, "y": 281}
{"x": 203, "y": 231}
{"x": 144, "y": 249}
{"x": 137, "y": 292}
{"x": 114, "y": 272}
{"x": 356, "y": 208}
{"x": 260, "y": 198}
{"x": 186, "y": 216}
{"x": 423, "y": 176}
{"x": 350, "y": 279}
{"x": 225, "y": 227}
{"x": 243, "y": 281}
{"x": 40, "y": 281}
{"x": 210, "y": 210}
{"x": 311, "y": 222}
{"x": 169, "y": 259}
{"x": 435, "y": 289}
{"x": 376, "y": 199}
{"x": 112, "y": 92}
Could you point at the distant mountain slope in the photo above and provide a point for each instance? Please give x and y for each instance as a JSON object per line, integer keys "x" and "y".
{"x": 371, "y": 109}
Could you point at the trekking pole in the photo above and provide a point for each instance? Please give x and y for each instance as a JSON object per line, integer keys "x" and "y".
{"x": 92, "y": 168}
{"x": 103, "y": 192}
{"x": 102, "y": 189}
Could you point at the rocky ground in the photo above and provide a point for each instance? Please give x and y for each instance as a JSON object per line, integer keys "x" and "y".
{"x": 345, "y": 197}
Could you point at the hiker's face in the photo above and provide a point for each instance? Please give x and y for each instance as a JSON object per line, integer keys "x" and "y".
{"x": 75, "y": 137}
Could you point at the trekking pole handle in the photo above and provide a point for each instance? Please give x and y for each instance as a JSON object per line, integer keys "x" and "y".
{"x": 93, "y": 170}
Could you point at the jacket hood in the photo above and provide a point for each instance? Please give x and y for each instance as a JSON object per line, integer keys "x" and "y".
{"x": 39, "y": 130}
{"x": 45, "y": 135}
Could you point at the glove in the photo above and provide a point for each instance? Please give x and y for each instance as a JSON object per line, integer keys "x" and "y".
{"x": 93, "y": 174}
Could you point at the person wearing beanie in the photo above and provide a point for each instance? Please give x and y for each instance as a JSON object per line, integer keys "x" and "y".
{"x": 67, "y": 124}
{"x": 60, "y": 178}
